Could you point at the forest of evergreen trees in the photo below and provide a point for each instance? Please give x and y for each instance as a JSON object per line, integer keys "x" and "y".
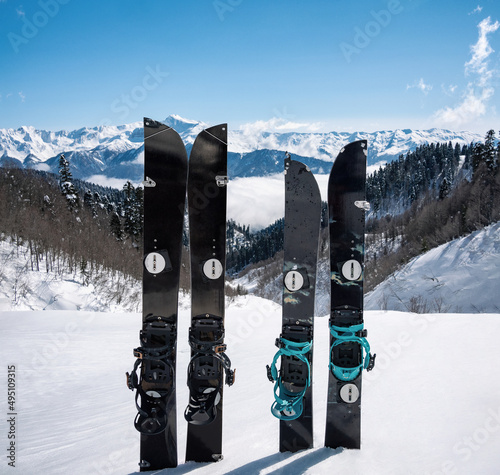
{"x": 430, "y": 169}
{"x": 244, "y": 247}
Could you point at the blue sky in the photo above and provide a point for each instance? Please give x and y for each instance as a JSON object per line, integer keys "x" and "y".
{"x": 320, "y": 65}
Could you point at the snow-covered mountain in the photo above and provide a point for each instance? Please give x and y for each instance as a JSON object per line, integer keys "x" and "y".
{"x": 107, "y": 152}
{"x": 383, "y": 146}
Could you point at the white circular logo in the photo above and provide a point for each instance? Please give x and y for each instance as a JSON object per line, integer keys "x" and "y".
{"x": 294, "y": 281}
{"x": 154, "y": 263}
{"x": 352, "y": 270}
{"x": 349, "y": 393}
{"x": 213, "y": 269}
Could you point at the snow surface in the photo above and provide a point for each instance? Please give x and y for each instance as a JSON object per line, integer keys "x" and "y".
{"x": 430, "y": 406}
{"x": 460, "y": 276}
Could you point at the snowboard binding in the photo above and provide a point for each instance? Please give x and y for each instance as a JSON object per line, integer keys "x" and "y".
{"x": 293, "y": 379}
{"x": 206, "y": 368}
{"x": 350, "y": 351}
{"x": 153, "y": 374}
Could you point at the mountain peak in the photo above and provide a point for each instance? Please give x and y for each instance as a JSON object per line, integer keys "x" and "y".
{"x": 181, "y": 125}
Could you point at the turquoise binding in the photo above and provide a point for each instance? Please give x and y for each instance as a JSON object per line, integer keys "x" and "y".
{"x": 348, "y": 334}
{"x": 287, "y": 405}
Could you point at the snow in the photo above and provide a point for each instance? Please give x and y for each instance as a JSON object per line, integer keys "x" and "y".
{"x": 115, "y": 151}
{"x": 43, "y": 144}
{"x": 430, "y": 406}
{"x": 459, "y": 276}
{"x": 55, "y": 288}
{"x": 383, "y": 145}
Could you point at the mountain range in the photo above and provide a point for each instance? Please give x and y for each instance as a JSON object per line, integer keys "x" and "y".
{"x": 117, "y": 152}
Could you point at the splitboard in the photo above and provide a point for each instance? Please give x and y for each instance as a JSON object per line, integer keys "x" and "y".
{"x": 153, "y": 376}
{"x": 293, "y": 381}
{"x": 209, "y": 367}
{"x": 349, "y": 349}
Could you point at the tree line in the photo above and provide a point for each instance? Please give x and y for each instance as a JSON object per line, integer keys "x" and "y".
{"x": 430, "y": 169}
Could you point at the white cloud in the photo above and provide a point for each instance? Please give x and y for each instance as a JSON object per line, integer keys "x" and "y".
{"x": 478, "y": 9}
{"x": 22, "y": 96}
{"x": 42, "y": 167}
{"x": 103, "y": 180}
{"x": 425, "y": 88}
{"x": 278, "y": 124}
{"x": 478, "y": 64}
{"x": 473, "y": 106}
{"x": 475, "y": 99}
{"x": 267, "y": 195}
{"x": 450, "y": 89}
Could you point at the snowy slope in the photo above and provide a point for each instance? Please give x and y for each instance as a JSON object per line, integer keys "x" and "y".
{"x": 460, "y": 276}
{"x": 22, "y": 287}
{"x": 427, "y": 409}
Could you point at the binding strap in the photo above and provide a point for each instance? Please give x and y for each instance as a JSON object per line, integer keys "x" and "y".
{"x": 288, "y": 405}
{"x": 203, "y": 369}
{"x": 153, "y": 375}
{"x": 354, "y": 334}
{"x": 216, "y": 349}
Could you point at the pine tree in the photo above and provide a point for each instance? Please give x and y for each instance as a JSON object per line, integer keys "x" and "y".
{"x": 444, "y": 189}
{"x": 87, "y": 199}
{"x": 116, "y": 226}
{"x": 133, "y": 212}
{"x": 488, "y": 151}
{"x": 477, "y": 156}
{"x": 68, "y": 190}
{"x": 498, "y": 155}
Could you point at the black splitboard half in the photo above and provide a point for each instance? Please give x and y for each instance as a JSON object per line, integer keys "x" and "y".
{"x": 301, "y": 235}
{"x": 165, "y": 171}
{"x": 207, "y": 180}
{"x": 346, "y": 196}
